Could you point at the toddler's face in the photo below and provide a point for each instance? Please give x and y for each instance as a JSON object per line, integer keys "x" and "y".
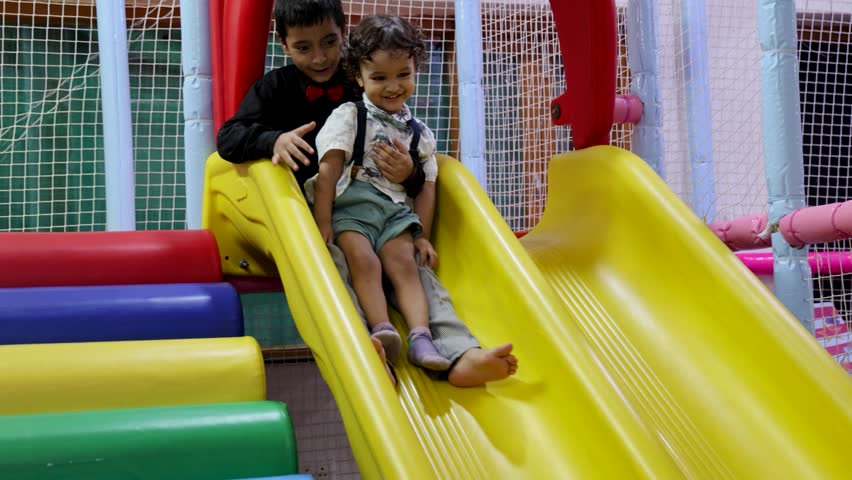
{"x": 388, "y": 79}
{"x": 315, "y": 50}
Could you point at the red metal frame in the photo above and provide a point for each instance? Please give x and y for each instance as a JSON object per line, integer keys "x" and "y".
{"x": 588, "y": 39}
{"x": 239, "y": 32}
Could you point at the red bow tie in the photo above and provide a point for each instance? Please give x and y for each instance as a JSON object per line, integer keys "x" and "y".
{"x": 314, "y": 92}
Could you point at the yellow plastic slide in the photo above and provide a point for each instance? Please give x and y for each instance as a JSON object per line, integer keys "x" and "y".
{"x": 645, "y": 350}
{"x": 702, "y": 352}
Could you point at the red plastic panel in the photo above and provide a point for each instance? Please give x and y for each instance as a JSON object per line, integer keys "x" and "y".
{"x": 108, "y": 258}
{"x": 255, "y": 284}
{"x": 587, "y": 37}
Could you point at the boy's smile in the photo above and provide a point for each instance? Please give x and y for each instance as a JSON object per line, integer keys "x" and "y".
{"x": 388, "y": 79}
{"x": 315, "y": 50}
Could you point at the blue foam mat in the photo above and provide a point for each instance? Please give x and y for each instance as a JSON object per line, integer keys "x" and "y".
{"x": 115, "y": 313}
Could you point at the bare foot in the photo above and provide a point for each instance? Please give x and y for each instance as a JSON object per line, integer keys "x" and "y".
{"x": 381, "y": 351}
{"x": 477, "y": 366}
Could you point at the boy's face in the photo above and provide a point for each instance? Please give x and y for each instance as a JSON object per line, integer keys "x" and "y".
{"x": 315, "y": 50}
{"x": 388, "y": 79}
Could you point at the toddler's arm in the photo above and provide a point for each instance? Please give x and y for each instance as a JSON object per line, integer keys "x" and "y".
{"x": 424, "y": 207}
{"x": 330, "y": 168}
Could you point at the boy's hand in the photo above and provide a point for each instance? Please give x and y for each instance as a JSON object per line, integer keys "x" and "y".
{"x": 395, "y": 163}
{"x": 288, "y": 147}
{"x": 428, "y": 256}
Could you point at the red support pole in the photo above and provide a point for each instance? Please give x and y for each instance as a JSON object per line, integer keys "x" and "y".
{"x": 215, "y": 13}
{"x": 245, "y": 34}
{"x": 587, "y": 37}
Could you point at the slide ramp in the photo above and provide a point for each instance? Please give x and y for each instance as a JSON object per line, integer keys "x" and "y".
{"x": 703, "y": 352}
{"x": 646, "y": 350}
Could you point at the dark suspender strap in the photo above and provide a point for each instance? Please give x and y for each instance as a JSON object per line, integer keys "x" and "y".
{"x": 361, "y": 132}
{"x": 415, "y": 140}
{"x": 414, "y": 184}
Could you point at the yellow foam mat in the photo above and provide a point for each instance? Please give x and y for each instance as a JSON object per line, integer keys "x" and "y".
{"x": 65, "y": 377}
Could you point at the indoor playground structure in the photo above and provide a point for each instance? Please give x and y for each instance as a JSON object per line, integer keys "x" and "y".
{"x": 124, "y": 357}
{"x": 611, "y": 155}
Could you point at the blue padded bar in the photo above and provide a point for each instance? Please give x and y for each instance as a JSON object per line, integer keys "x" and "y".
{"x": 115, "y": 313}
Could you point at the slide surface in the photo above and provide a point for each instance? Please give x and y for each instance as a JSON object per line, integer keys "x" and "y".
{"x": 630, "y": 367}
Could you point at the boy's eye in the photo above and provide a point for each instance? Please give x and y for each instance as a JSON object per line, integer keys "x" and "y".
{"x": 301, "y": 49}
{"x": 378, "y": 78}
{"x": 404, "y": 74}
{"x": 330, "y": 42}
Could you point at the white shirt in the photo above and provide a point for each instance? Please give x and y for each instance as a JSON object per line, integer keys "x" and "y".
{"x": 339, "y": 133}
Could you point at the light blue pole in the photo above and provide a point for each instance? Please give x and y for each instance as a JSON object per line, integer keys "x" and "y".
{"x": 698, "y": 119}
{"x": 199, "y": 141}
{"x": 782, "y": 147}
{"x": 642, "y": 54}
{"x": 471, "y": 98}
{"x": 117, "y": 126}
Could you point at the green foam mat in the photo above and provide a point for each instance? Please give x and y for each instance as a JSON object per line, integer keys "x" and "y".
{"x": 224, "y": 440}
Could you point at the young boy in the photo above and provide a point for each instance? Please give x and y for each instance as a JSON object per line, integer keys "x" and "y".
{"x": 279, "y": 118}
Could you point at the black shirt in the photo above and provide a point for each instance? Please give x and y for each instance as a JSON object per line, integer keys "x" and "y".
{"x": 276, "y": 104}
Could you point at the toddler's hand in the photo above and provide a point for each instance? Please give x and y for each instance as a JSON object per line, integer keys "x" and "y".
{"x": 393, "y": 160}
{"x": 289, "y": 147}
{"x": 427, "y": 253}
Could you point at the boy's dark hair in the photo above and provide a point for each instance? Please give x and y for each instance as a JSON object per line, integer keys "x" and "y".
{"x": 383, "y": 32}
{"x": 306, "y": 13}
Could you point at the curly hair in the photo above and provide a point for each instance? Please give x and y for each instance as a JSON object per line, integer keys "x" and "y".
{"x": 383, "y": 32}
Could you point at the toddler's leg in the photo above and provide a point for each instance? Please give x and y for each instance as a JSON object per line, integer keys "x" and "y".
{"x": 343, "y": 269}
{"x": 366, "y": 272}
{"x": 397, "y": 258}
{"x": 471, "y": 366}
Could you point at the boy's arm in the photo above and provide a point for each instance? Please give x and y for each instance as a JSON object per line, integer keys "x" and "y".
{"x": 247, "y": 136}
{"x": 416, "y": 182}
{"x": 396, "y": 164}
{"x": 423, "y": 172}
{"x": 330, "y": 168}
